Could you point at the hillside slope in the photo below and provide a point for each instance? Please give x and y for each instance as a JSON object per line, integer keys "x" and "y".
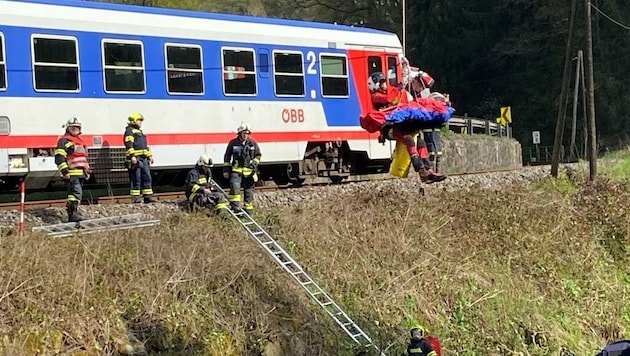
{"x": 533, "y": 269}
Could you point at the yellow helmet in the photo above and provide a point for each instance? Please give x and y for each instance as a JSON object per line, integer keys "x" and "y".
{"x": 133, "y": 118}
{"x": 416, "y": 330}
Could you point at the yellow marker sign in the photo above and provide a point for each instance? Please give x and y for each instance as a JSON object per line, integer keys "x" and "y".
{"x": 506, "y": 114}
{"x": 501, "y": 121}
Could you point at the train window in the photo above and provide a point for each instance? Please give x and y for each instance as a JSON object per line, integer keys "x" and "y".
{"x": 3, "y": 65}
{"x": 334, "y": 72}
{"x": 239, "y": 71}
{"x": 375, "y": 64}
{"x": 184, "y": 69}
{"x": 288, "y": 70}
{"x": 392, "y": 75}
{"x": 55, "y": 63}
{"x": 123, "y": 64}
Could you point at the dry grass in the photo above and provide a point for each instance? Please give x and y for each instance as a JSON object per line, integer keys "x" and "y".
{"x": 531, "y": 270}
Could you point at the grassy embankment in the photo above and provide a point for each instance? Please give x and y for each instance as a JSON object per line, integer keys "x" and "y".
{"x": 531, "y": 270}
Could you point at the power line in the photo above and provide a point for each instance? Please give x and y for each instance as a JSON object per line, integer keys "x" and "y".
{"x": 610, "y": 18}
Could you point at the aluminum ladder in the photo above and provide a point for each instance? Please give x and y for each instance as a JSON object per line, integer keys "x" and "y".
{"x": 90, "y": 226}
{"x": 282, "y": 258}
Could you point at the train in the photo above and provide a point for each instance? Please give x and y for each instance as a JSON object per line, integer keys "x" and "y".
{"x": 195, "y": 77}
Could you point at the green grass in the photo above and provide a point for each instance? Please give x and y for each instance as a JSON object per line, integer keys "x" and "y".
{"x": 617, "y": 164}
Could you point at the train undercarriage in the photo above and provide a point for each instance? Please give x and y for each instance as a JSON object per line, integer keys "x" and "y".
{"x": 333, "y": 161}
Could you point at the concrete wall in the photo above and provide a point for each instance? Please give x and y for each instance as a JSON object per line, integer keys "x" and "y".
{"x": 479, "y": 153}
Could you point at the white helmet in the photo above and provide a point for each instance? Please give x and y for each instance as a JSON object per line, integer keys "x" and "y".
{"x": 438, "y": 96}
{"x": 73, "y": 121}
{"x": 244, "y": 127}
{"x": 204, "y": 160}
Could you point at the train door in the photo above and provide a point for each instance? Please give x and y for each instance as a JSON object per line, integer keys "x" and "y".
{"x": 373, "y": 60}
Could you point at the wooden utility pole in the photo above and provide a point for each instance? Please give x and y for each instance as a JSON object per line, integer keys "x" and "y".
{"x": 590, "y": 85}
{"x": 562, "y": 105}
{"x": 404, "y": 27}
{"x": 578, "y": 79}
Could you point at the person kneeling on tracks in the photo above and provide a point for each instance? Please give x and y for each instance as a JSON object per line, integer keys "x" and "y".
{"x": 240, "y": 165}
{"x": 417, "y": 151}
{"x": 72, "y": 160}
{"x": 418, "y": 345}
{"x": 199, "y": 188}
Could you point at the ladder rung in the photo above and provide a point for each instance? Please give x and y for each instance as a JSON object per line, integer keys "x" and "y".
{"x": 268, "y": 243}
{"x": 258, "y": 233}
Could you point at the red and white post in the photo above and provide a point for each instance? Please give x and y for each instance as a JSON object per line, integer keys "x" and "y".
{"x": 22, "y": 195}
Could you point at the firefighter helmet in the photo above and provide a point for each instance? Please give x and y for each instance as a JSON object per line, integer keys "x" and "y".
{"x": 438, "y": 96}
{"x": 204, "y": 160}
{"x": 136, "y": 116}
{"x": 73, "y": 121}
{"x": 244, "y": 128}
{"x": 374, "y": 82}
{"x": 416, "y": 330}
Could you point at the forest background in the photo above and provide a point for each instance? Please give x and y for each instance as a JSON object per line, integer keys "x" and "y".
{"x": 486, "y": 53}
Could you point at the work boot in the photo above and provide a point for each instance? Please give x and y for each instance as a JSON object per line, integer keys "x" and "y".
{"x": 148, "y": 199}
{"x": 427, "y": 176}
{"x": 136, "y": 199}
{"x": 73, "y": 211}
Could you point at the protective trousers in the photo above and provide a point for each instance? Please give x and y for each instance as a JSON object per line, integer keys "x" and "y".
{"x": 236, "y": 180}
{"x": 434, "y": 144}
{"x": 75, "y": 194}
{"x": 417, "y": 151}
{"x": 215, "y": 201}
{"x": 140, "y": 177}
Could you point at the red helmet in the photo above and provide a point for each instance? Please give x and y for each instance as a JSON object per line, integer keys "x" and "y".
{"x": 426, "y": 79}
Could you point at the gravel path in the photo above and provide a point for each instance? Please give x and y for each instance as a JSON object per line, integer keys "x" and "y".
{"x": 495, "y": 180}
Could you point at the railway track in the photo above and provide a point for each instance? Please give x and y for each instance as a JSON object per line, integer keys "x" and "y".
{"x": 170, "y": 196}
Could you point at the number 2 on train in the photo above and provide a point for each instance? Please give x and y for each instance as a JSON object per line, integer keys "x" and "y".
{"x": 310, "y": 57}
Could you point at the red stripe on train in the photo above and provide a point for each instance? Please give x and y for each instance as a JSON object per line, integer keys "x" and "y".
{"x": 47, "y": 141}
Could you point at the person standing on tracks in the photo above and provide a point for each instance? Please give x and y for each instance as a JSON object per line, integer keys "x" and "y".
{"x": 418, "y": 345}
{"x": 199, "y": 188}
{"x": 139, "y": 159}
{"x": 421, "y": 85}
{"x": 71, "y": 157}
{"x": 241, "y": 160}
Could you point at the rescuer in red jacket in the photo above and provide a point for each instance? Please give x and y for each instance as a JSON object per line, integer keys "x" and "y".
{"x": 71, "y": 159}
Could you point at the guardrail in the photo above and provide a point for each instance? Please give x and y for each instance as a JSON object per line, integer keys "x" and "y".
{"x": 470, "y": 125}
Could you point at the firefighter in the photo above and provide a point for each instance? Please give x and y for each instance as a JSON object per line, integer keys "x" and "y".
{"x": 72, "y": 161}
{"x": 421, "y": 85}
{"x": 418, "y": 345}
{"x": 241, "y": 160}
{"x": 139, "y": 159}
{"x": 199, "y": 188}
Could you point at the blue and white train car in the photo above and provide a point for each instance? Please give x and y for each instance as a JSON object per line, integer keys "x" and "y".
{"x": 195, "y": 77}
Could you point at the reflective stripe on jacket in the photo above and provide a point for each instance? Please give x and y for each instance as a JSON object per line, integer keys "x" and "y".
{"x": 242, "y": 156}
{"x": 71, "y": 155}
{"x": 136, "y": 142}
